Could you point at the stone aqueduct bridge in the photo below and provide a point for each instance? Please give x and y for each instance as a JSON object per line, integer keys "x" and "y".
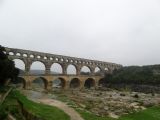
{"x": 78, "y": 80}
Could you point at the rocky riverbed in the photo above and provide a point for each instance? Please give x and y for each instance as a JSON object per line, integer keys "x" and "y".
{"x": 111, "y": 102}
{"x": 108, "y": 102}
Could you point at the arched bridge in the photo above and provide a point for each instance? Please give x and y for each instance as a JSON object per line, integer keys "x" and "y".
{"x": 29, "y": 57}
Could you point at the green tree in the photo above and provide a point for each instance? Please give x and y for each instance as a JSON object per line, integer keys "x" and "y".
{"x": 135, "y": 75}
{"x": 7, "y": 68}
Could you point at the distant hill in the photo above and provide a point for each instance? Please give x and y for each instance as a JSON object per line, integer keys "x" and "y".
{"x": 136, "y": 74}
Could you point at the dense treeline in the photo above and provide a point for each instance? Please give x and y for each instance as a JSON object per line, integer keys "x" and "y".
{"x": 7, "y": 68}
{"x": 135, "y": 75}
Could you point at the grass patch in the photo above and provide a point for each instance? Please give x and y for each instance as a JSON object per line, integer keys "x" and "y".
{"x": 91, "y": 116}
{"x": 152, "y": 113}
{"x": 45, "y": 112}
{"x": 10, "y": 105}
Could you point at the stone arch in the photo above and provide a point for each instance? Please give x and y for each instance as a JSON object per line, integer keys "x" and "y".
{"x": 106, "y": 69}
{"x": 56, "y": 59}
{"x": 25, "y": 55}
{"x": 75, "y": 61}
{"x": 18, "y": 54}
{"x": 71, "y": 60}
{"x": 62, "y": 59}
{"x": 45, "y": 57}
{"x": 31, "y": 56}
{"x": 37, "y": 67}
{"x": 89, "y": 83}
{"x": 50, "y": 58}
{"x": 56, "y": 68}
{"x": 75, "y": 83}
{"x": 79, "y": 62}
{"x": 85, "y": 70}
{"x": 11, "y": 53}
{"x": 20, "y": 82}
{"x": 102, "y": 82}
{"x": 4, "y": 52}
{"x": 20, "y": 64}
{"x": 40, "y": 82}
{"x": 59, "y": 83}
{"x": 38, "y": 57}
{"x": 66, "y": 60}
{"x": 71, "y": 69}
{"x": 97, "y": 70}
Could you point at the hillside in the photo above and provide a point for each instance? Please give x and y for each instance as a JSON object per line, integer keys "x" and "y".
{"x": 136, "y": 78}
{"x": 136, "y": 75}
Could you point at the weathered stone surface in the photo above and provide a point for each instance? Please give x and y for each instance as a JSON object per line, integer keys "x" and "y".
{"x": 28, "y": 57}
{"x": 111, "y": 103}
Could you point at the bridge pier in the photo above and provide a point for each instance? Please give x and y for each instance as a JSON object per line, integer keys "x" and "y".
{"x": 78, "y": 70}
{"x": 67, "y": 85}
{"x": 96, "y": 83}
{"x": 27, "y": 82}
{"x": 49, "y": 86}
{"x": 82, "y": 81}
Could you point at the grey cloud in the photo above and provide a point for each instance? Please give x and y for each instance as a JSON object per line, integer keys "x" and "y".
{"x": 121, "y": 31}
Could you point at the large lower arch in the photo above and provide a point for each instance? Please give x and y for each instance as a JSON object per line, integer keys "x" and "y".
{"x": 39, "y": 83}
{"x": 89, "y": 83}
{"x": 75, "y": 83}
{"x": 59, "y": 83}
{"x": 19, "y": 82}
{"x": 102, "y": 82}
{"x": 37, "y": 68}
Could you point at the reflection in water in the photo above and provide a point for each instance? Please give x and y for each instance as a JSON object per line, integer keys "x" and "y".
{"x": 56, "y": 83}
{"x": 39, "y": 84}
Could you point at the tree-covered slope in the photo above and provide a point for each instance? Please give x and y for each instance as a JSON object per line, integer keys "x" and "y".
{"x": 136, "y": 75}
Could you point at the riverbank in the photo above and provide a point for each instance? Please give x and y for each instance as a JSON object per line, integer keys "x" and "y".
{"x": 21, "y": 108}
{"x": 104, "y": 105}
{"x": 135, "y": 88}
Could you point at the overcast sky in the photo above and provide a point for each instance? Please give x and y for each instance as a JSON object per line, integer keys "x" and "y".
{"x": 121, "y": 31}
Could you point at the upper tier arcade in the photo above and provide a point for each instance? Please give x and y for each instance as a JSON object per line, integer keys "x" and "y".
{"x": 28, "y": 57}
